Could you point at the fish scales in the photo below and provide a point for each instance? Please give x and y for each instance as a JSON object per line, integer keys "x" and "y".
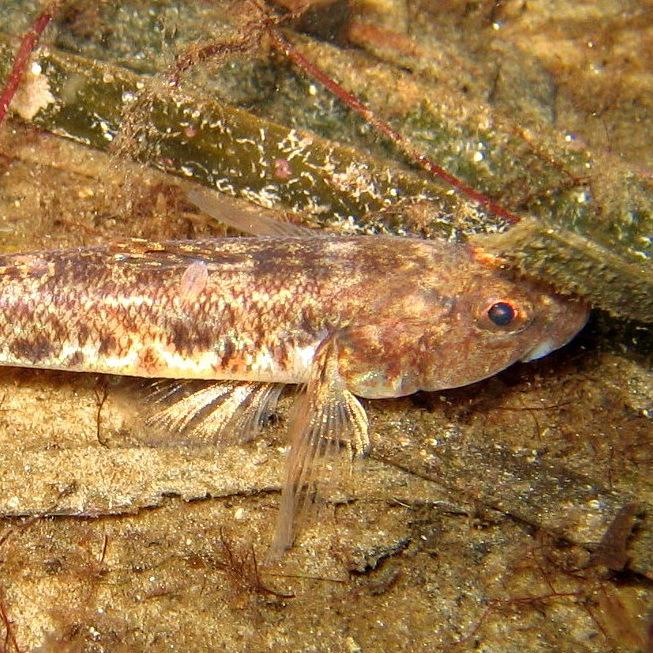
{"x": 123, "y": 309}
{"x": 232, "y": 321}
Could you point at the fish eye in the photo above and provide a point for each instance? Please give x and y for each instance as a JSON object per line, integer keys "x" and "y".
{"x": 501, "y": 314}
{"x": 504, "y": 315}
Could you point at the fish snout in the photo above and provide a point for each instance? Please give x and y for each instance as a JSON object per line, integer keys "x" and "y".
{"x": 563, "y": 323}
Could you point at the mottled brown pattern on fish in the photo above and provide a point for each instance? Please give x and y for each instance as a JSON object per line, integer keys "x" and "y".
{"x": 408, "y": 314}
{"x": 91, "y": 307}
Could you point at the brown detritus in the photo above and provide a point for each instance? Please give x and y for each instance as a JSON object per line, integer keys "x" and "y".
{"x": 325, "y": 19}
{"x": 197, "y": 54}
{"x": 528, "y": 586}
{"x": 105, "y": 546}
{"x": 554, "y": 567}
{"x": 515, "y": 604}
{"x": 82, "y": 19}
{"x": 382, "y": 579}
{"x": 247, "y": 39}
{"x": 616, "y": 619}
{"x": 240, "y": 565}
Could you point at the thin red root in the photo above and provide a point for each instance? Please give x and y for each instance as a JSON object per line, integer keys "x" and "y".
{"x": 27, "y": 46}
{"x": 9, "y": 637}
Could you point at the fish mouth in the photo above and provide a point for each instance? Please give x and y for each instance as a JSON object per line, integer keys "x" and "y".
{"x": 559, "y": 337}
{"x": 540, "y": 350}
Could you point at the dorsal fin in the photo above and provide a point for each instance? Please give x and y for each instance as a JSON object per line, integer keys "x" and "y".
{"x": 248, "y": 219}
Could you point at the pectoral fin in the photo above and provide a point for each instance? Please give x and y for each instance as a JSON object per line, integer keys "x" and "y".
{"x": 325, "y": 417}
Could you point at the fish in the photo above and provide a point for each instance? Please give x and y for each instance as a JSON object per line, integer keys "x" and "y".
{"x": 222, "y": 326}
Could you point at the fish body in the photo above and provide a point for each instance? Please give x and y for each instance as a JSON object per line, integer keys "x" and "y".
{"x": 236, "y": 319}
{"x": 408, "y": 314}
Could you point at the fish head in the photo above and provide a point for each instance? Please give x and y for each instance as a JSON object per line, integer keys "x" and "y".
{"x": 456, "y": 315}
{"x": 494, "y": 322}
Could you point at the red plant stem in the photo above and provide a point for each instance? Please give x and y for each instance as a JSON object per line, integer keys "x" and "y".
{"x": 282, "y": 44}
{"x": 10, "y": 637}
{"x": 28, "y": 44}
